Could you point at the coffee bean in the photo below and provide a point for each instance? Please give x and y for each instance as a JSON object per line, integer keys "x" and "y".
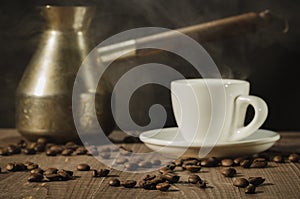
{"x": 80, "y": 151}
{"x": 178, "y": 162}
{"x": 130, "y": 166}
{"x": 194, "y": 179}
{"x": 171, "y": 166}
{"x": 56, "y": 148}
{"x": 170, "y": 177}
{"x": 156, "y": 162}
{"x": 20, "y": 167}
{"x": 42, "y": 141}
{"x": 259, "y": 163}
{"x": 35, "y": 177}
{"x": 228, "y": 172}
{"x": 163, "y": 186}
{"x": 32, "y": 166}
{"x": 210, "y": 162}
{"x": 227, "y": 162}
{"x": 114, "y": 182}
{"x": 165, "y": 170}
{"x": 13, "y": 149}
{"x": 4, "y": 152}
{"x": 65, "y": 175}
{"x": 240, "y": 182}
{"x": 37, "y": 170}
{"x": 145, "y": 164}
{"x": 250, "y": 189}
{"x": 103, "y": 172}
{"x": 22, "y": 143}
{"x": 105, "y": 155}
{"x": 202, "y": 184}
{"x": 128, "y": 183}
{"x": 71, "y": 145}
{"x": 50, "y": 171}
{"x": 54, "y": 177}
{"x": 190, "y": 162}
{"x": 193, "y": 168}
{"x": 246, "y": 163}
{"x": 83, "y": 167}
{"x": 94, "y": 173}
{"x": 149, "y": 177}
{"x": 293, "y": 157}
{"x": 27, "y": 163}
{"x": 278, "y": 159}
{"x": 68, "y": 171}
{"x": 256, "y": 180}
{"x": 67, "y": 152}
{"x": 148, "y": 185}
{"x": 39, "y": 148}
{"x": 121, "y": 160}
{"x": 238, "y": 160}
{"x": 10, "y": 167}
{"x": 50, "y": 152}
{"x": 29, "y": 151}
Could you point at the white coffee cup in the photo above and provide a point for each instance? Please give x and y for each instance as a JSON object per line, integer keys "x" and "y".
{"x": 213, "y": 110}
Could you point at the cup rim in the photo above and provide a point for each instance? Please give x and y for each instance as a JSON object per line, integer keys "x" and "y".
{"x": 209, "y": 80}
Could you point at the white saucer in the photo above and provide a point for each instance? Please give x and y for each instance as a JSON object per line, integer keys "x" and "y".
{"x": 169, "y": 141}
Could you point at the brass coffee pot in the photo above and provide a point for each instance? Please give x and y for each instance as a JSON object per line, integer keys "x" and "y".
{"x": 44, "y": 94}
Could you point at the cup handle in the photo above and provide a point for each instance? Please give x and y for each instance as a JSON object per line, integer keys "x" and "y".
{"x": 261, "y": 111}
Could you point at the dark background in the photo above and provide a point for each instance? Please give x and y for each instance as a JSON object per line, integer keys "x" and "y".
{"x": 269, "y": 59}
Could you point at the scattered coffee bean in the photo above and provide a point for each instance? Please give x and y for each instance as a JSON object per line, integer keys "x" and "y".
{"x": 42, "y": 141}
{"x": 228, "y": 172}
{"x": 71, "y": 145}
{"x": 210, "y": 162}
{"x": 194, "y": 179}
{"x": 145, "y": 164}
{"x": 94, "y": 173}
{"x": 35, "y": 177}
{"x": 64, "y": 174}
{"x": 83, "y": 167}
{"x": 256, "y": 180}
{"x": 128, "y": 183}
{"x": 67, "y": 152}
{"x": 164, "y": 170}
{"x": 121, "y": 160}
{"x": 13, "y": 149}
{"x": 37, "y": 170}
{"x": 130, "y": 166}
{"x": 81, "y": 150}
{"x": 22, "y": 143}
{"x": 171, "y": 166}
{"x": 148, "y": 177}
{"x": 4, "y": 152}
{"x": 240, "y": 182}
{"x": 54, "y": 177}
{"x": 50, "y": 171}
{"x": 293, "y": 157}
{"x": 193, "y": 168}
{"x": 238, "y": 160}
{"x": 114, "y": 182}
{"x": 29, "y": 151}
{"x": 202, "y": 184}
{"x": 103, "y": 172}
{"x": 278, "y": 159}
{"x": 178, "y": 162}
{"x": 56, "y": 148}
{"x": 32, "y": 166}
{"x": 156, "y": 162}
{"x": 39, "y": 148}
{"x": 170, "y": 177}
{"x": 163, "y": 186}
{"x": 20, "y": 167}
{"x": 10, "y": 167}
{"x": 227, "y": 162}
{"x": 250, "y": 189}
{"x": 246, "y": 163}
{"x": 50, "y": 152}
{"x": 259, "y": 163}
{"x": 190, "y": 162}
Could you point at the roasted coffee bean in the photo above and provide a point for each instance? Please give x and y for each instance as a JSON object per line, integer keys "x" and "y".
{"x": 68, "y": 171}
{"x": 293, "y": 157}
{"x": 278, "y": 159}
{"x": 32, "y": 166}
{"x": 71, "y": 145}
{"x": 37, "y": 170}
{"x": 10, "y": 167}
{"x": 32, "y": 145}
{"x": 80, "y": 151}
{"x": 190, "y": 162}
{"x": 54, "y": 177}
{"x": 121, "y": 160}
{"x": 29, "y": 151}
{"x": 65, "y": 175}
{"x": 171, "y": 166}
{"x": 94, "y": 173}
{"x": 3, "y": 152}
{"x": 20, "y": 167}
{"x": 13, "y": 149}
{"x": 50, "y": 171}
{"x": 228, "y": 172}
{"x": 50, "y": 152}
{"x": 246, "y": 163}
{"x": 149, "y": 177}
{"x": 238, "y": 160}
{"x": 42, "y": 141}
{"x": 165, "y": 170}
{"x": 259, "y": 163}
{"x": 193, "y": 168}
{"x": 156, "y": 162}
{"x": 210, "y": 162}
{"x": 227, "y": 162}
{"x": 178, "y": 162}
{"x": 57, "y": 148}
{"x": 148, "y": 185}
{"x": 240, "y": 182}
{"x": 163, "y": 186}
{"x": 170, "y": 177}
{"x": 27, "y": 163}
{"x": 202, "y": 184}
{"x": 256, "y": 180}
{"x": 67, "y": 152}
{"x": 250, "y": 189}
{"x": 145, "y": 164}
{"x": 35, "y": 177}
{"x": 22, "y": 143}
{"x": 114, "y": 182}
{"x": 130, "y": 166}
{"x": 103, "y": 172}
{"x": 194, "y": 179}
{"x": 39, "y": 148}
{"x": 83, "y": 167}
{"x": 128, "y": 183}
{"x": 105, "y": 155}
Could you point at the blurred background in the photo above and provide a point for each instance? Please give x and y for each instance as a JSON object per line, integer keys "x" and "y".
{"x": 268, "y": 58}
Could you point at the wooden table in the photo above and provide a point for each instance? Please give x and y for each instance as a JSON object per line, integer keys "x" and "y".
{"x": 282, "y": 180}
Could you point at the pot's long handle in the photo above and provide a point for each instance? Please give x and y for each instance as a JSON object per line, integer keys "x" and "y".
{"x": 217, "y": 29}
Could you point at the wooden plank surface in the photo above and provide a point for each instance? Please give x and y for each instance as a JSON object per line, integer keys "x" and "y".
{"x": 282, "y": 180}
